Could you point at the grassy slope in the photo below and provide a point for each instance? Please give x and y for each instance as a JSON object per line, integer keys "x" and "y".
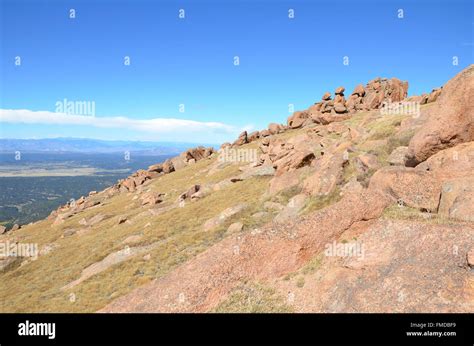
{"x": 36, "y": 286}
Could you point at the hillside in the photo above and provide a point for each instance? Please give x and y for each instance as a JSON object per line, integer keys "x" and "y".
{"x": 364, "y": 202}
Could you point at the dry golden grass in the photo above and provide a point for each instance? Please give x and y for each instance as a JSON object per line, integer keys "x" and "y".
{"x": 178, "y": 234}
{"x": 397, "y": 212}
{"x": 254, "y": 298}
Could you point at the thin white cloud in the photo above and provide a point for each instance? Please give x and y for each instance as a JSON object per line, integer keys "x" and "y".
{"x": 156, "y": 125}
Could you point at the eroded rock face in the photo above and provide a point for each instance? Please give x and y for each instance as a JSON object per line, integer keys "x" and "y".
{"x": 457, "y": 199}
{"x": 264, "y": 254}
{"x": 294, "y": 206}
{"x": 434, "y": 95}
{"x": 405, "y": 266}
{"x": 284, "y": 181}
{"x": 414, "y": 188}
{"x": 441, "y": 184}
{"x": 455, "y": 161}
{"x": 327, "y": 176}
{"x": 289, "y": 155}
{"x": 451, "y": 121}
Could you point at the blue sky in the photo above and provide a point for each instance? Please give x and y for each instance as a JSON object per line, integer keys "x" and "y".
{"x": 190, "y": 61}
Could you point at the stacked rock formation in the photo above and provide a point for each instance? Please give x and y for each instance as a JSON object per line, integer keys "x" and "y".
{"x": 370, "y": 97}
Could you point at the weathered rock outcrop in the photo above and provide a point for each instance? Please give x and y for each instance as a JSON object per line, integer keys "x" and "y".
{"x": 273, "y": 251}
{"x": 370, "y": 97}
{"x": 443, "y": 184}
{"x": 288, "y": 155}
{"x": 451, "y": 121}
{"x": 243, "y": 139}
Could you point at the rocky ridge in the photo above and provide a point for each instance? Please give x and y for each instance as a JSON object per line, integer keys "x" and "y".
{"x": 342, "y": 171}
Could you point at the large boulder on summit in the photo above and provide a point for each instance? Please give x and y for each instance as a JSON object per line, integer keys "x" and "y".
{"x": 253, "y": 136}
{"x": 197, "y": 153}
{"x": 327, "y": 106}
{"x": 157, "y": 168}
{"x": 354, "y": 102}
{"x": 168, "y": 166}
{"x": 297, "y": 119}
{"x": 434, "y": 95}
{"x": 340, "y": 108}
{"x": 381, "y": 89}
{"x": 243, "y": 139}
{"x": 451, "y": 121}
{"x": 129, "y": 184}
{"x": 340, "y": 90}
{"x": 396, "y": 90}
{"x": 275, "y": 128}
{"x": 359, "y": 90}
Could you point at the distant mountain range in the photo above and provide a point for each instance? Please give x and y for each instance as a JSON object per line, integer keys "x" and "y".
{"x": 84, "y": 145}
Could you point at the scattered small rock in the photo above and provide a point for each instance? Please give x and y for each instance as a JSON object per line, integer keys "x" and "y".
{"x": 470, "y": 258}
{"x": 69, "y": 232}
{"x": 235, "y": 227}
{"x": 398, "y": 157}
{"x": 121, "y": 219}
